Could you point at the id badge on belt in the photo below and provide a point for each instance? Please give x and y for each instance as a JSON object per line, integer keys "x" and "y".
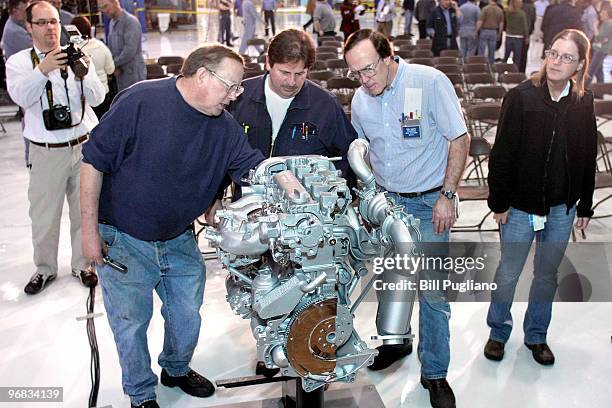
{"x": 411, "y": 116}
{"x": 537, "y": 222}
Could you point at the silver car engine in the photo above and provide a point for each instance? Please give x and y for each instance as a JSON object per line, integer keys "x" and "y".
{"x": 295, "y": 246}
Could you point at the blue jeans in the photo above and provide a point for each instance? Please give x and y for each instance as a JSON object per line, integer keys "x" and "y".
{"x": 516, "y": 238}
{"x": 176, "y": 271}
{"x": 468, "y": 45}
{"x": 515, "y": 46}
{"x": 407, "y": 21}
{"x": 488, "y": 40}
{"x": 434, "y": 310}
{"x": 596, "y": 67}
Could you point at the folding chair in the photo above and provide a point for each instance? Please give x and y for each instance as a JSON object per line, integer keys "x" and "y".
{"x": 407, "y": 47}
{"x": 473, "y": 80}
{"x": 601, "y": 89}
{"x": 422, "y": 61}
{"x": 320, "y": 77}
{"x": 404, "y": 54}
{"x": 483, "y": 117}
{"x": 174, "y": 69}
{"x": 502, "y": 68}
{"x": 476, "y": 189}
{"x": 423, "y": 46}
{"x": 318, "y": 66}
{"x": 404, "y": 37}
{"x": 344, "y": 89}
{"x": 603, "y": 112}
{"x": 398, "y": 43}
{"x": 486, "y": 93}
{"x": 449, "y": 53}
{"x": 423, "y": 54}
{"x": 155, "y": 71}
{"x": 476, "y": 59}
{"x": 252, "y": 66}
{"x": 326, "y": 49}
{"x": 338, "y": 66}
{"x": 475, "y": 68}
{"x": 324, "y": 56}
{"x": 447, "y": 60}
{"x": 332, "y": 43}
{"x": 512, "y": 79}
{"x": 448, "y": 68}
{"x": 253, "y": 73}
{"x": 168, "y": 60}
{"x": 456, "y": 79}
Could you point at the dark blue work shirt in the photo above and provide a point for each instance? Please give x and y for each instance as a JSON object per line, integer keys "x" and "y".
{"x": 163, "y": 161}
{"x": 314, "y": 124}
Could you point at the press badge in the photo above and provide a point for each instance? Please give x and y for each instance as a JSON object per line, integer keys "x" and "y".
{"x": 537, "y": 222}
{"x": 411, "y": 116}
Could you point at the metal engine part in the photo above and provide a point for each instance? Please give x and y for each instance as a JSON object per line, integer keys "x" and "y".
{"x": 295, "y": 248}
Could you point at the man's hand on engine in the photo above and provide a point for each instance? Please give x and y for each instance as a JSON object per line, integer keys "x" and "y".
{"x": 210, "y": 213}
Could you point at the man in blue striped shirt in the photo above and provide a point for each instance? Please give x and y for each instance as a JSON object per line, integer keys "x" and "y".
{"x": 418, "y": 146}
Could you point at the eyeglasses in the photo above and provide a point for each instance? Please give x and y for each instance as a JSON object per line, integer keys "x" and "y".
{"x": 44, "y": 22}
{"x": 231, "y": 88}
{"x": 565, "y": 58}
{"x": 367, "y": 72}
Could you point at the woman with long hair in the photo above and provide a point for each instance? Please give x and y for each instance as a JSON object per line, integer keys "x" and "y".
{"x": 541, "y": 178}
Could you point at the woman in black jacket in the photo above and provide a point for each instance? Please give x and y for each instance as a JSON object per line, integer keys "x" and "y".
{"x": 542, "y": 164}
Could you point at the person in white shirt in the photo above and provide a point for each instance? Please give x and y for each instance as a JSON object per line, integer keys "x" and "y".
{"x": 101, "y": 57}
{"x": 385, "y": 13}
{"x": 41, "y": 83}
{"x": 540, "y": 6}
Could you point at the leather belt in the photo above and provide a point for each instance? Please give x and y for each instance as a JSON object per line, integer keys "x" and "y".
{"x": 414, "y": 195}
{"x": 69, "y": 143}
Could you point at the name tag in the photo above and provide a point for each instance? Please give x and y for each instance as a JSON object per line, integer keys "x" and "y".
{"x": 537, "y": 222}
{"x": 411, "y": 128}
{"x": 411, "y": 131}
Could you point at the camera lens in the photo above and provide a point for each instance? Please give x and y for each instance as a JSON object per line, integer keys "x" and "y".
{"x": 60, "y": 115}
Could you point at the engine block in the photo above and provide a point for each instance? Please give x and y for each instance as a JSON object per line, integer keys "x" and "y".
{"x": 295, "y": 246}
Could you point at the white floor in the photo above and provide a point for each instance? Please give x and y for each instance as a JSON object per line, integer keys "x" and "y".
{"x": 42, "y": 344}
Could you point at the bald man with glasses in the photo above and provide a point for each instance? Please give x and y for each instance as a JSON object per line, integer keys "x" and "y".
{"x": 153, "y": 165}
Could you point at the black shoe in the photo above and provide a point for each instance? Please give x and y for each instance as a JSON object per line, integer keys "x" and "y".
{"x": 389, "y": 354}
{"x": 37, "y": 283}
{"x": 494, "y": 350}
{"x": 87, "y": 277}
{"x": 147, "y": 404}
{"x": 542, "y": 353}
{"x": 192, "y": 383}
{"x": 261, "y": 369}
{"x": 440, "y": 393}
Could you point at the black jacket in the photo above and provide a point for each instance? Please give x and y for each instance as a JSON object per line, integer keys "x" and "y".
{"x": 518, "y": 166}
{"x": 557, "y": 18}
{"x": 437, "y": 21}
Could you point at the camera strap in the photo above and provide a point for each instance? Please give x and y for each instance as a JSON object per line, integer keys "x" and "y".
{"x": 49, "y": 88}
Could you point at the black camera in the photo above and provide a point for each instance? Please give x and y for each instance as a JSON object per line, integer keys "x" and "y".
{"x": 74, "y": 60}
{"x": 57, "y": 117}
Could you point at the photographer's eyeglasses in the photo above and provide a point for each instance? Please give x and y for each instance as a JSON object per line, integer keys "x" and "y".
{"x": 368, "y": 72}
{"x": 565, "y": 58}
{"x": 231, "y": 88}
{"x": 43, "y": 22}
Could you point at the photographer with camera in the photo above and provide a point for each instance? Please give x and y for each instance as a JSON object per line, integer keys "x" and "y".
{"x": 55, "y": 88}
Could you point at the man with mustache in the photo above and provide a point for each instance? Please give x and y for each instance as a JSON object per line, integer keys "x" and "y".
{"x": 284, "y": 114}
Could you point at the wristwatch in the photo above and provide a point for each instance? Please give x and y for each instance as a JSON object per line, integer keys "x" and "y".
{"x": 448, "y": 194}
